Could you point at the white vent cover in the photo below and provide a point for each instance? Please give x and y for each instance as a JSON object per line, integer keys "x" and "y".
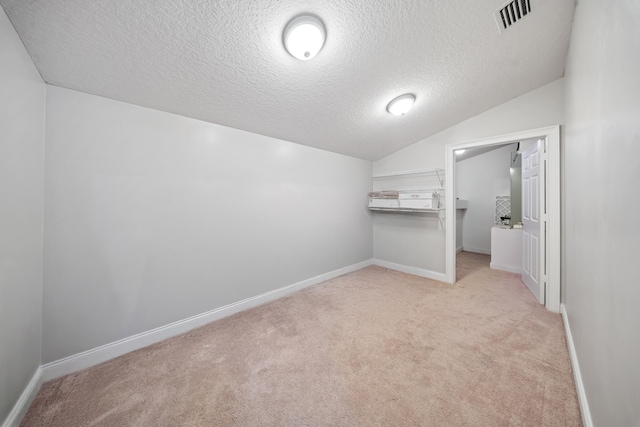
{"x": 511, "y": 12}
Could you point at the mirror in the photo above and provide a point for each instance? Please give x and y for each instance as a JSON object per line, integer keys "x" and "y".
{"x": 516, "y": 187}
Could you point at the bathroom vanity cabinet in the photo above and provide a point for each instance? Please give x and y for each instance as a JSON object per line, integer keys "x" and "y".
{"x": 506, "y": 248}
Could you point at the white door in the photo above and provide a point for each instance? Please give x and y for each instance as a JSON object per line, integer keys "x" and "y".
{"x": 532, "y": 217}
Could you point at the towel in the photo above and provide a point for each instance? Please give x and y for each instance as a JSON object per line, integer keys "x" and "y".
{"x": 388, "y": 194}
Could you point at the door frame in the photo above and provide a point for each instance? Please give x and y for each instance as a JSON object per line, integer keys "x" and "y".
{"x": 551, "y": 259}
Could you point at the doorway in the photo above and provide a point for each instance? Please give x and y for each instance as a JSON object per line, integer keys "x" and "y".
{"x": 549, "y": 248}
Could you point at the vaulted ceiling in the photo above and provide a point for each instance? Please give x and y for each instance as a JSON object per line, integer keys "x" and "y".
{"x": 223, "y": 61}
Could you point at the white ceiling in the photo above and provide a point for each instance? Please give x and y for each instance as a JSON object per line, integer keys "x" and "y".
{"x": 223, "y": 61}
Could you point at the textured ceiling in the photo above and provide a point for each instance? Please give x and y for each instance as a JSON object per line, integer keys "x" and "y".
{"x": 223, "y": 61}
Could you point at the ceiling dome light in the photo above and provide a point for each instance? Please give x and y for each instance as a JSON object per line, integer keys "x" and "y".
{"x": 402, "y": 104}
{"x": 304, "y": 36}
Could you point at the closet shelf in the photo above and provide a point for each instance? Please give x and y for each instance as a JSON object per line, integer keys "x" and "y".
{"x": 418, "y": 191}
{"x": 413, "y": 210}
{"x": 417, "y": 173}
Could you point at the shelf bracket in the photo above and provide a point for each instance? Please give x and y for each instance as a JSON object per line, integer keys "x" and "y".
{"x": 439, "y": 178}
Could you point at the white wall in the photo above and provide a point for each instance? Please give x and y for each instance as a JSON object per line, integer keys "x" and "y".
{"x": 479, "y": 180}
{"x": 22, "y": 100}
{"x": 152, "y": 217}
{"x": 459, "y": 228}
{"x": 418, "y": 242}
{"x": 601, "y": 175}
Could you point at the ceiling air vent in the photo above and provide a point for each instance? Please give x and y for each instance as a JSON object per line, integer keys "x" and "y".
{"x": 512, "y": 12}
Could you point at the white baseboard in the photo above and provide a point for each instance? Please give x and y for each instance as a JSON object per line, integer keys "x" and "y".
{"x": 26, "y": 398}
{"x": 582, "y": 395}
{"x": 477, "y": 250}
{"x": 106, "y": 352}
{"x": 459, "y": 249}
{"x": 411, "y": 270}
{"x": 510, "y": 269}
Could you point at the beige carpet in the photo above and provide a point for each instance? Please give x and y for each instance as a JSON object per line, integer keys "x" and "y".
{"x": 372, "y": 348}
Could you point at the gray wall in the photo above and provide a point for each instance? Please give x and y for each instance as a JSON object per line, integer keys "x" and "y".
{"x": 601, "y": 178}
{"x": 152, "y": 217}
{"x": 418, "y": 242}
{"x": 22, "y": 101}
{"x": 479, "y": 180}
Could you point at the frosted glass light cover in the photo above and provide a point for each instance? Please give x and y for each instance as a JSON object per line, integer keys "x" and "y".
{"x": 401, "y": 105}
{"x": 304, "y": 37}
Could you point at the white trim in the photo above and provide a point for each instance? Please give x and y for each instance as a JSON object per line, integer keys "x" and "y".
{"x": 477, "y": 250}
{"x": 106, "y": 352}
{"x": 510, "y": 269}
{"x": 459, "y": 249}
{"x": 552, "y": 134}
{"x": 26, "y": 399}
{"x": 582, "y": 395}
{"x": 429, "y": 274}
{"x": 552, "y": 293}
{"x": 450, "y": 215}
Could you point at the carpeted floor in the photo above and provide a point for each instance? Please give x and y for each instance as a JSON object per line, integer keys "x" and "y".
{"x": 371, "y": 348}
